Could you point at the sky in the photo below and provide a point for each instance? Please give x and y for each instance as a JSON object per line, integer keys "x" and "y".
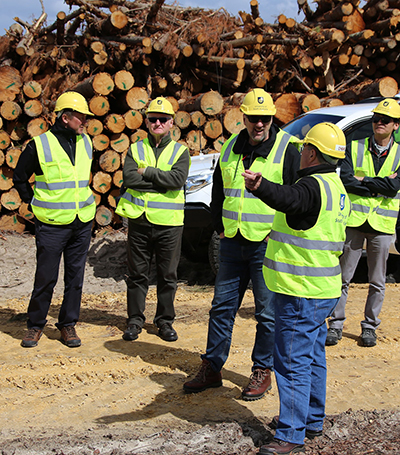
{"x": 28, "y": 10}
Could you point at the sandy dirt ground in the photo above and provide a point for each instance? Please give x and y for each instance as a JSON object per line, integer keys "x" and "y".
{"x": 115, "y": 397}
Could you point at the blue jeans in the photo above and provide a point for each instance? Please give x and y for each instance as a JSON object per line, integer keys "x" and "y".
{"x": 300, "y": 364}
{"x": 238, "y": 264}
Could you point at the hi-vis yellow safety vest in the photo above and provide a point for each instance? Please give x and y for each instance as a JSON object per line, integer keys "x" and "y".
{"x": 63, "y": 192}
{"x": 306, "y": 263}
{"x": 242, "y": 210}
{"x": 161, "y": 208}
{"x": 380, "y": 211}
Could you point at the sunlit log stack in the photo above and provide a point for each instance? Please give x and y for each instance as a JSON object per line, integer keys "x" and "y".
{"x": 120, "y": 54}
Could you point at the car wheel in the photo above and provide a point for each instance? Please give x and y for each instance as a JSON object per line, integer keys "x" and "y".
{"x": 213, "y": 252}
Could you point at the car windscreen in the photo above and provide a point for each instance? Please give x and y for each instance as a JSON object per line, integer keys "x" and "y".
{"x": 300, "y": 126}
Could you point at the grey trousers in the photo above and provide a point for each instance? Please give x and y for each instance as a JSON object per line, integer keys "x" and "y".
{"x": 377, "y": 255}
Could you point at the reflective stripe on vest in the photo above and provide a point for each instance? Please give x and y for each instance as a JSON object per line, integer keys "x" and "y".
{"x": 302, "y": 270}
{"x": 61, "y": 185}
{"x": 63, "y": 191}
{"x": 305, "y": 263}
{"x": 241, "y": 209}
{"x": 154, "y": 204}
{"x": 161, "y": 208}
{"x": 47, "y": 151}
{"x": 64, "y": 205}
{"x": 380, "y": 211}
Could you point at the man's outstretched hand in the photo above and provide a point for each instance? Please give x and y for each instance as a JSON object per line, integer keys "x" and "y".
{"x": 252, "y": 179}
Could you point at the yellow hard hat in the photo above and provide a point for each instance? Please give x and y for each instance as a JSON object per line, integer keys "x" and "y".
{"x": 161, "y": 106}
{"x": 388, "y": 107}
{"x": 328, "y": 138}
{"x": 74, "y": 101}
{"x": 258, "y": 102}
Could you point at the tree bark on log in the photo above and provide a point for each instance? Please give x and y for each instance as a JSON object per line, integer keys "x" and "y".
{"x": 12, "y": 157}
{"x": 102, "y": 182}
{"x": 137, "y": 98}
{"x": 119, "y": 142}
{"x": 233, "y": 120}
{"x": 213, "y": 128}
{"x": 10, "y": 200}
{"x": 33, "y": 108}
{"x": 94, "y": 127}
{"x": 32, "y": 89}
{"x": 37, "y": 126}
{"x": 109, "y": 161}
{"x": 104, "y": 215}
{"x": 12, "y": 223}
{"x": 182, "y": 119}
{"x": 287, "y": 108}
{"x": 133, "y": 119}
{"x": 99, "y": 105}
{"x": 100, "y": 142}
{"x": 6, "y": 176}
{"x": 10, "y": 83}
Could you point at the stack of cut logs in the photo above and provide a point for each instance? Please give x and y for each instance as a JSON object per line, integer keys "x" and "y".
{"x": 120, "y": 54}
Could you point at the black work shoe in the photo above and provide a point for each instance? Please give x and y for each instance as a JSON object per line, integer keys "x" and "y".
{"x": 132, "y": 332}
{"x": 31, "y": 338}
{"x": 205, "y": 378}
{"x": 277, "y": 447}
{"x": 167, "y": 333}
{"x": 368, "y": 338}
{"x": 69, "y": 337}
{"x": 310, "y": 434}
{"x": 333, "y": 336}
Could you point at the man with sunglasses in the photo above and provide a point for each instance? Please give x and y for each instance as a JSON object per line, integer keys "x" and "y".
{"x": 64, "y": 208}
{"x": 154, "y": 175}
{"x": 243, "y": 223}
{"x": 370, "y": 174}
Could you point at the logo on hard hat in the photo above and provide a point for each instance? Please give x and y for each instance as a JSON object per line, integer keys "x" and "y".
{"x": 159, "y": 101}
{"x": 260, "y": 99}
{"x": 386, "y": 103}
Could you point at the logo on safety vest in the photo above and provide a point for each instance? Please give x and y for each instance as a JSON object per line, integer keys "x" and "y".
{"x": 342, "y": 199}
{"x": 260, "y": 99}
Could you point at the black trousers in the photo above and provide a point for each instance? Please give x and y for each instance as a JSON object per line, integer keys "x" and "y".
{"x": 52, "y": 241}
{"x": 144, "y": 241}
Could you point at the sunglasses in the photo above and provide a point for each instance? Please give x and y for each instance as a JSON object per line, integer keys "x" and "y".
{"x": 384, "y": 120}
{"x": 160, "y": 119}
{"x": 257, "y": 118}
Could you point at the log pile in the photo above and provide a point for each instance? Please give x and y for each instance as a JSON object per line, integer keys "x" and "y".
{"x": 120, "y": 54}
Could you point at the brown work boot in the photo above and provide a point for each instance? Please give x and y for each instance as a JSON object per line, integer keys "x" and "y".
{"x": 205, "y": 378}
{"x": 31, "y": 338}
{"x": 260, "y": 382}
{"x": 278, "y": 447}
{"x": 69, "y": 337}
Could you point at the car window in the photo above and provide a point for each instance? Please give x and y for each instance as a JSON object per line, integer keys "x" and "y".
{"x": 300, "y": 126}
{"x": 358, "y": 131}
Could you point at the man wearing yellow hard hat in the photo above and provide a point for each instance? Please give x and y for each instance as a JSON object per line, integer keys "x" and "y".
{"x": 63, "y": 205}
{"x": 154, "y": 175}
{"x": 370, "y": 174}
{"x": 301, "y": 268}
{"x": 243, "y": 223}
